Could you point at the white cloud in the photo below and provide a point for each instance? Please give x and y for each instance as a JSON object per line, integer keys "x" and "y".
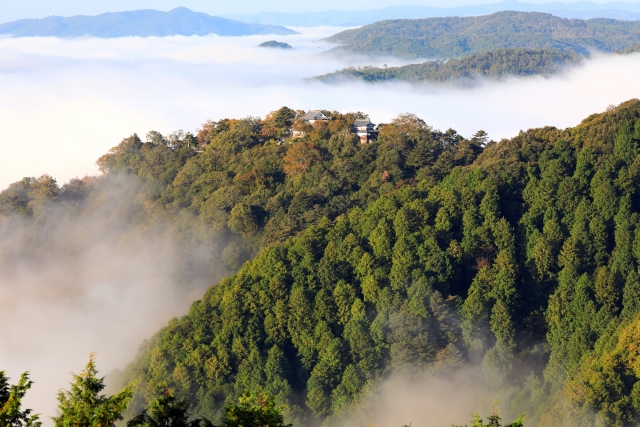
{"x": 65, "y": 102}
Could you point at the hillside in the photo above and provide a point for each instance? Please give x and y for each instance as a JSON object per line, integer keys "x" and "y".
{"x": 351, "y": 18}
{"x": 630, "y": 49}
{"x": 141, "y": 23}
{"x": 494, "y": 65}
{"x": 455, "y": 37}
{"x": 245, "y": 191}
{"x": 421, "y": 254}
{"x": 535, "y": 241}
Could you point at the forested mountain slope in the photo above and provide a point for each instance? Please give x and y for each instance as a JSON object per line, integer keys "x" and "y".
{"x": 494, "y": 65}
{"x": 141, "y": 23}
{"x": 422, "y": 253}
{"x": 531, "y": 253}
{"x": 245, "y": 190}
{"x": 455, "y": 37}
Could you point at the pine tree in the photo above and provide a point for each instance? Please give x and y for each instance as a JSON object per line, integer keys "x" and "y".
{"x": 254, "y": 411}
{"x": 84, "y": 406}
{"x": 167, "y": 411}
{"x": 11, "y": 414}
{"x": 494, "y": 421}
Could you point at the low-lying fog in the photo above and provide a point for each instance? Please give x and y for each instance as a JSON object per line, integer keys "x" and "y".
{"x": 66, "y": 102}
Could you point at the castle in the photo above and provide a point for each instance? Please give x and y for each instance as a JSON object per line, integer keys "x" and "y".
{"x": 363, "y": 128}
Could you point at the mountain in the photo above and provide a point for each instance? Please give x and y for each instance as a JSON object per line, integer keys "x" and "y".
{"x": 494, "y": 65}
{"x": 140, "y": 23}
{"x": 420, "y": 255}
{"x": 456, "y": 37}
{"x": 618, "y": 14}
{"x": 522, "y": 261}
{"x": 351, "y": 18}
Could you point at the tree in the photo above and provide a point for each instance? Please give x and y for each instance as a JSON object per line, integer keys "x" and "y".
{"x": 167, "y": 411}
{"x": 494, "y": 421}
{"x": 278, "y": 123}
{"x": 11, "y": 414}
{"x": 300, "y": 157}
{"x": 242, "y": 220}
{"x": 254, "y": 410}
{"x": 84, "y": 406}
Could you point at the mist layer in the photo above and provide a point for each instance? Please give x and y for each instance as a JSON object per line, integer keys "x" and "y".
{"x": 67, "y": 101}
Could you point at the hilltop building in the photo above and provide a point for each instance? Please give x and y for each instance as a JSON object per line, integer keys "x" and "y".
{"x": 314, "y": 116}
{"x": 365, "y": 130}
{"x": 310, "y": 118}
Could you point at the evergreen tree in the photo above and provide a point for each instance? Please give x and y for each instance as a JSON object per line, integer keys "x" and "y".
{"x": 167, "y": 411}
{"x": 259, "y": 410}
{"x": 11, "y": 412}
{"x": 84, "y": 406}
{"x": 494, "y": 421}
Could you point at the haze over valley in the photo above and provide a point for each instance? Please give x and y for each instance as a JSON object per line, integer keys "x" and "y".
{"x": 105, "y": 89}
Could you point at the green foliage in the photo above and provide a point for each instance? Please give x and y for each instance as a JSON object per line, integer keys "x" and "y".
{"x": 494, "y": 421}
{"x": 235, "y": 187}
{"x": 535, "y": 240}
{"x": 416, "y": 254}
{"x": 84, "y": 406}
{"x": 11, "y": 412}
{"x": 167, "y": 411}
{"x": 257, "y": 410}
{"x": 496, "y": 64}
{"x": 455, "y": 37}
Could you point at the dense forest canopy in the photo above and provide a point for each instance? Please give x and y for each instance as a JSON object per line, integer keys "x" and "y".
{"x": 494, "y": 65}
{"x": 229, "y": 190}
{"x": 456, "y": 37}
{"x": 420, "y": 254}
{"x": 528, "y": 254}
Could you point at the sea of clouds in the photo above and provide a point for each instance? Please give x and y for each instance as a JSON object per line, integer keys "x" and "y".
{"x": 64, "y": 103}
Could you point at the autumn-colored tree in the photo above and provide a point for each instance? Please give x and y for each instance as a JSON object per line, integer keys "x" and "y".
{"x": 277, "y": 124}
{"x": 300, "y": 157}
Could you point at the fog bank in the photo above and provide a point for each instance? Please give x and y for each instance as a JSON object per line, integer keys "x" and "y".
{"x": 66, "y": 102}
{"x": 92, "y": 278}
{"x": 425, "y": 401}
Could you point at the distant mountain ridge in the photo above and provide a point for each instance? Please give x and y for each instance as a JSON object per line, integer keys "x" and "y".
{"x": 456, "y": 37}
{"x": 141, "y": 23}
{"x": 495, "y": 65}
{"x": 350, "y": 18}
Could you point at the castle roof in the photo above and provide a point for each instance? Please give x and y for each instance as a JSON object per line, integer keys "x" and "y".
{"x": 314, "y": 115}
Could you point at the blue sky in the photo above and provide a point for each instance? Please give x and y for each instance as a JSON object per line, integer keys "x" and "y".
{"x": 13, "y": 10}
